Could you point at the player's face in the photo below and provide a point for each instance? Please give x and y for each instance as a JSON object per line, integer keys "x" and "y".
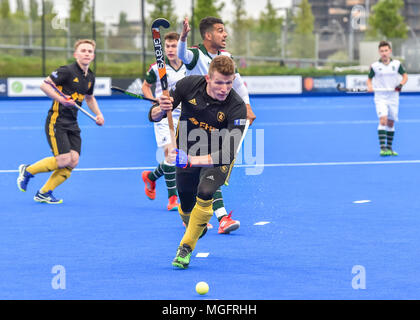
{"x": 219, "y": 85}
{"x": 84, "y": 54}
{"x": 171, "y": 47}
{"x": 385, "y": 53}
{"x": 219, "y": 35}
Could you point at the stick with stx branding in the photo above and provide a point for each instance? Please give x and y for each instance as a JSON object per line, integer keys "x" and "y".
{"x": 64, "y": 96}
{"x": 160, "y": 61}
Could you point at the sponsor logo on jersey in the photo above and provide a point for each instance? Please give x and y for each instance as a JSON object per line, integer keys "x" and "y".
{"x": 193, "y": 101}
{"x": 221, "y": 116}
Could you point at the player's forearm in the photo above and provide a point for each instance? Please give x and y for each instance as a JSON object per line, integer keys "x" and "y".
{"x": 183, "y": 53}
{"x": 369, "y": 84}
{"x": 201, "y": 161}
{"x": 147, "y": 91}
{"x": 240, "y": 88}
{"x": 93, "y": 105}
{"x": 156, "y": 113}
{"x": 404, "y": 79}
{"x": 50, "y": 92}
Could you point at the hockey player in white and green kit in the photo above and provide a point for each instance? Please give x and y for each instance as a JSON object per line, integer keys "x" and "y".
{"x": 386, "y": 78}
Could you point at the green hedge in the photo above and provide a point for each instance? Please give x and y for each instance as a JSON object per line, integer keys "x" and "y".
{"x": 12, "y": 66}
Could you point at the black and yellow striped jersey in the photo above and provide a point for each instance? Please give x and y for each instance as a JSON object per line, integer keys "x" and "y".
{"x": 71, "y": 80}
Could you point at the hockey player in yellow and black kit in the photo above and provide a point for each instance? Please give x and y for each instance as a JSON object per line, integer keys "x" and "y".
{"x": 76, "y": 81}
{"x": 210, "y": 126}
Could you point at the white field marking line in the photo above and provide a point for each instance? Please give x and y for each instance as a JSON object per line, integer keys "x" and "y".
{"x": 202, "y": 254}
{"x": 362, "y": 201}
{"x": 261, "y": 223}
{"x": 303, "y": 164}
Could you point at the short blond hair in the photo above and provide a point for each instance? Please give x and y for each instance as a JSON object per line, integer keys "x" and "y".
{"x": 222, "y": 64}
{"x": 81, "y": 41}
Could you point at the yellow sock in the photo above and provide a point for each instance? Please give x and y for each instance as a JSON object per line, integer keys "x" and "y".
{"x": 45, "y": 165}
{"x": 56, "y": 178}
{"x": 200, "y": 216}
{"x": 185, "y": 216}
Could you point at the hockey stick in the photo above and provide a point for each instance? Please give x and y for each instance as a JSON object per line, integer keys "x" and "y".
{"x": 359, "y": 90}
{"x": 128, "y": 93}
{"x": 237, "y": 151}
{"x": 160, "y": 61}
{"x": 67, "y": 98}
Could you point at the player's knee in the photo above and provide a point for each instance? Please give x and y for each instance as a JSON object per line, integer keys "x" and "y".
{"x": 205, "y": 191}
{"x": 74, "y": 160}
{"x": 63, "y": 160}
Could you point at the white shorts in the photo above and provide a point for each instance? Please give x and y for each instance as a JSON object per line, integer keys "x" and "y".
{"x": 162, "y": 134}
{"x": 387, "y": 108}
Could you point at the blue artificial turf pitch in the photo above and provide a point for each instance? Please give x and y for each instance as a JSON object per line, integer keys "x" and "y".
{"x": 314, "y": 156}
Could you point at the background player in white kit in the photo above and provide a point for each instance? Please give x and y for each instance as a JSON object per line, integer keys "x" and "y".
{"x": 197, "y": 60}
{"x": 387, "y": 73}
{"x": 175, "y": 71}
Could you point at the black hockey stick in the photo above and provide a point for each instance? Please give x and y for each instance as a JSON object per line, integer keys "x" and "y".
{"x": 160, "y": 61}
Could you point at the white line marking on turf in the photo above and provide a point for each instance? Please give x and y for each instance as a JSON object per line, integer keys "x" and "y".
{"x": 266, "y": 165}
{"x": 202, "y": 254}
{"x": 362, "y": 201}
{"x": 261, "y": 223}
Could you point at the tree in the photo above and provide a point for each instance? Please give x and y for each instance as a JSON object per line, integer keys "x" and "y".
{"x": 239, "y": 27}
{"x": 303, "y": 42}
{"x": 20, "y": 10}
{"x": 33, "y": 10}
{"x": 4, "y": 9}
{"x": 270, "y": 29}
{"x": 80, "y": 11}
{"x": 163, "y": 9}
{"x": 206, "y": 8}
{"x": 386, "y": 20}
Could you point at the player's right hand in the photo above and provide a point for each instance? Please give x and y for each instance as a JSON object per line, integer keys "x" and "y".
{"x": 68, "y": 102}
{"x": 185, "y": 30}
{"x": 165, "y": 103}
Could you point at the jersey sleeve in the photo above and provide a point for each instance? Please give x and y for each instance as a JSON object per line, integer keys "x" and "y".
{"x": 401, "y": 69}
{"x": 193, "y": 58}
{"x": 60, "y": 75}
{"x": 240, "y": 88}
{"x": 151, "y": 76}
{"x": 92, "y": 86}
{"x": 178, "y": 91}
{"x": 371, "y": 73}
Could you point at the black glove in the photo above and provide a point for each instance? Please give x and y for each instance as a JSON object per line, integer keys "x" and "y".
{"x": 399, "y": 87}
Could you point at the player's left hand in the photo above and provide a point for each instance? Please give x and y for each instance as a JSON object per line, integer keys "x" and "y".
{"x": 181, "y": 159}
{"x": 399, "y": 87}
{"x": 100, "y": 120}
{"x": 250, "y": 115}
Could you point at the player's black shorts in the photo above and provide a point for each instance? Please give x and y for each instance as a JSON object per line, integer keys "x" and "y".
{"x": 63, "y": 138}
{"x": 198, "y": 182}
